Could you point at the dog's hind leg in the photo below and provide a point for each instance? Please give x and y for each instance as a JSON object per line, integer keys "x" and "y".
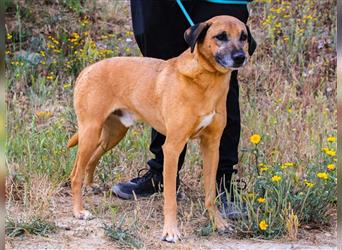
{"x": 112, "y": 133}
{"x": 89, "y": 138}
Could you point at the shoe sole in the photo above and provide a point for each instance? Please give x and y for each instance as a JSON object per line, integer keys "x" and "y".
{"x": 116, "y": 190}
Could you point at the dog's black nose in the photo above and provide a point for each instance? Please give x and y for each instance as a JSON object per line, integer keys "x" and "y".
{"x": 238, "y": 57}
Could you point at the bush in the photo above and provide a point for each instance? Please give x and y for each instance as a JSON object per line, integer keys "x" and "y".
{"x": 281, "y": 196}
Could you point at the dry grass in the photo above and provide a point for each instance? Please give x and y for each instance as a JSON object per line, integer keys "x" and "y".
{"x": 34, "y": 196}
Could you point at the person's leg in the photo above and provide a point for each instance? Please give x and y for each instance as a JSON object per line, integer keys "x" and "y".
{"x": 157, "y": 141}
{"x": 229, "y": 153}
{"x": 231, "y": 134}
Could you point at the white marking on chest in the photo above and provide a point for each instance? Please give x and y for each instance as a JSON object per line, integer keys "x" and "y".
{"x": 127, "y": 119}
{"x": 206, "y": 120}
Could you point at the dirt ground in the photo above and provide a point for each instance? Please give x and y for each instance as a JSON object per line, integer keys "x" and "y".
{"x": 77, "y": 234}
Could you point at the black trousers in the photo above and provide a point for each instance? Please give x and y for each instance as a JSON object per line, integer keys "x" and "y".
{"x": 158, "y": 27}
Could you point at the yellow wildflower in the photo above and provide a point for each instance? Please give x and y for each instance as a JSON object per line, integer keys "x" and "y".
{"x": 331, "y": 139}
{"x": 325, "y": 149}
{"x": 263, "y": 225}
{"x": 331, "y": 167}
{"x": 308, "y": 183}
{"x": 84, "y": 22}
{"x": 286, "y": 165}
{"x": 255, "y": 139}
{"x": 50, "y": 46}
{"x": 67, "y": 85}
{"x": 305, "y": 18}
{"x": 9, "y": 36}
{"x": 278, "y": 25}
{"x": 263, "y": 169}
{"x": 43, "y": 114}
{"x": 261, "y": 200}
{"x": 322, "y": 175}
{"x": 289, "y": 164}
{"x": 129, "y": 33}
{"x": 276, "y": 178}
{"x": 331, "y": 152}
{"x": 299, "y": 31}
{"x": 75, "y": 35}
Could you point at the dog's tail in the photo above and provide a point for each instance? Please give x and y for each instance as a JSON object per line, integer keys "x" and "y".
{"x": 73, "y": 141}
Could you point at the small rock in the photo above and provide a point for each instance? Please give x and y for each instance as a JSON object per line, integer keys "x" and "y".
{"x": 328, "y": 234}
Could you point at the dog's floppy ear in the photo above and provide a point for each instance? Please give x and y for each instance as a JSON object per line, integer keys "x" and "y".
{"x": 195, "y": 34}
{"x": 251, "y": 42}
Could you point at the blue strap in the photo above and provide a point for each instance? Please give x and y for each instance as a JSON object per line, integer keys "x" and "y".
{"x": 227, "y": 2}
{"x": 186, "y": 14}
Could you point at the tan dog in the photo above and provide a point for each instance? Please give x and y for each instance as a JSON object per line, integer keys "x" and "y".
{"x": 182, "y": 98}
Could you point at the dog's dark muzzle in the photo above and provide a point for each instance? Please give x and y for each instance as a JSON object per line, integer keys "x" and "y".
{"x": 235, "y": 59}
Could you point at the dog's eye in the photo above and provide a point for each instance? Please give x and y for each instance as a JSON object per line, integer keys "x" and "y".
{"x": 243, "y": 37}
{"x": 222, "y": 37}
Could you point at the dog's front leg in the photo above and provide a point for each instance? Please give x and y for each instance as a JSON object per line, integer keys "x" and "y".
{"x": 210, "y": 144}
{"x": 171, "y": 150}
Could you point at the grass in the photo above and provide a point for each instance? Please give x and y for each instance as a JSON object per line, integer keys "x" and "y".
{"x": 287, "y": 96}
{"x": 124, "y": 236}
{"x": 35, "y": 226}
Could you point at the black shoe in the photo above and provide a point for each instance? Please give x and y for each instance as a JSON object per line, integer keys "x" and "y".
{"x": 148, "y": 184}
{"x": 230, "y": 210}
{"x": 227, "y": 206}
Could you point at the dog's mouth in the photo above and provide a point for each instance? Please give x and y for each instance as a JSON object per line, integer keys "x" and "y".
{"x": 226, "y": 61}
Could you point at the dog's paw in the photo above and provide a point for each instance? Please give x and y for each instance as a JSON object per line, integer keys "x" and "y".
{"x": 84, "y": 215}
{"x": 220, "y": 224}
{"x": 171, "y": 234}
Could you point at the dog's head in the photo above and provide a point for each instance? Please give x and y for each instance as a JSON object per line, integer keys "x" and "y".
{"x": 224, "y": 41}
